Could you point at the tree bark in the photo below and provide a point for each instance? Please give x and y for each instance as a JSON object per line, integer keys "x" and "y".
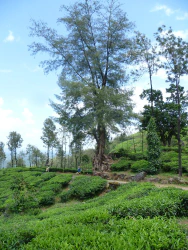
{"x": 179, "y": 129}
{"x": 100, "y": 161}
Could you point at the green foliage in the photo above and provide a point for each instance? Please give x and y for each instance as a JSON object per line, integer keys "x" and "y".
{"x": 22, "y": 195}
{"x": 136, "y": 156}
{"x": 154, "y": 150}
{"x": 46, "y": 198}
{"x": 63, "y": 180}
{"x": 85, "y": 187}
{"x": 122, "y": 165}
{"x": 139, "y": 166}
{"x": 14, "y": 142}
{"x": 65, "y": 196}
{"x": 85, "y": 159}
{"x": 169, "y": 161}
{"x": 92, "y": 58}
{"x": 90, "y": 224}
{"x": 164, "y": 202}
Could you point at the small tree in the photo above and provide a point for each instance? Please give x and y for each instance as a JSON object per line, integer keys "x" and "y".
{"x": 14, "y": 142}
{"x": 21, "y": 160}
{"x": 154, "y": 150}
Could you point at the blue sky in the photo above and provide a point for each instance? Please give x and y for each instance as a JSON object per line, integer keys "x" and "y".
{"x": 24, "y": 88}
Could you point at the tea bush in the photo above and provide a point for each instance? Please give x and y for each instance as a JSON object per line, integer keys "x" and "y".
{"x": 91, "y": 225}
{"x": 121, "y": 165}
{"x": 84, "y": 187}
{"x": 65, "y": 196}
{"x": 63, "y": 180}
{"x": 46, "y": 198}
{"x": 140, "y": 166}
{"x": 163, "y": 202}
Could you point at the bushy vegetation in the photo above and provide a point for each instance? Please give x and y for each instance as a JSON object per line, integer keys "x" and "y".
{"x": 122, "y": 165}
{"x": 84, "y": 187}
{"x": 134, "y": 216}
{"x": 140, "y": 166}
{"x": 23, "y": 189}
{"x": 168, "y": 161}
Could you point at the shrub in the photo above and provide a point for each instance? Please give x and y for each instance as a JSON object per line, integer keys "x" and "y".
{"x": 168, "y": 202}
{"x": 46, "y": 198}
{"x": 84, "y": 187}
{"x": 55, "y": 187}
{"x": 62, "y": 179}
{"x": 140, "y": 166}
{"x": 65, "y": 196}
{"x": 47, "y": 176}
{"x": 136, "y": 156}
{"x": 121, "y": 152}
{"x": 22, "y": 195}
{"x": 121, "y": 165}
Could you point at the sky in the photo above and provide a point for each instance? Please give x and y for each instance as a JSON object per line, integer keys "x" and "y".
{"x": 24, "y": 88}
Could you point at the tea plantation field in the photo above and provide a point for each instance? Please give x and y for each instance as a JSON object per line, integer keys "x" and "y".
{"x": 55, "y": 211}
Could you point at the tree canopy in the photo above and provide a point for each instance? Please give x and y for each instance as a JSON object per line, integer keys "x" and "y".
{"x": 93, "y": 58}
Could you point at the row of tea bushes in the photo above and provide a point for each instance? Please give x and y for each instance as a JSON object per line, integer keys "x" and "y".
{"x": 166, "y": 202}
{"x": 84, "y": 187}
{"x": 90, "y": 225}
{"x": 23, "y": 189}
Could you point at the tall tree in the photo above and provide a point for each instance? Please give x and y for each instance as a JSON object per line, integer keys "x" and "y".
{"x": 14, "y": 142}
{"x": 29, "y": 153}
{"x": 2, "y": 154}
{"x": 175, "y": 52}
{"x": 49, "y": 136}
{"x": 147, "y": 60}
{"x": 93, "y": 58}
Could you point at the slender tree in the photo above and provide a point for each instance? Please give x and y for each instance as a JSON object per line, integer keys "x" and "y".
{"x": 29, "y": 153}
{"x": 14, "y": 142}
{"x": 93, "y": 58}
{"x": 147, "y": 60}
{"x": 2, "y": 154}
{"x": 49, "y": 136}
{"x": 175, "y": 52}
{"x": 38, "y": 158}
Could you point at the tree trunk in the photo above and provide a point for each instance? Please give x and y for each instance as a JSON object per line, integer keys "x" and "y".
{"x": 151, "y": 87}
{"x": 179, "y": 129}
{"x": 12, "y": 159}
{"x": 15, "y": 156}
{"x": 100, "y": 161}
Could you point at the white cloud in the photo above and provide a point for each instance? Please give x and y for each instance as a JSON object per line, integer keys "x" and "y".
{"x": 28, "y": 116}
{"x": 184, "y": 16}
{"x": 10, "y": 37}
{"x": 168, "y": 11}
{"x": 5, "y": 71}
{"x": 137, "y": 100}
{"x": 181, "y": 33}
{"x": 161, "y": 73}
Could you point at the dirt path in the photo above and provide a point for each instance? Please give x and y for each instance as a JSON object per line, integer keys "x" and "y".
{"x": 156, "y": 184}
